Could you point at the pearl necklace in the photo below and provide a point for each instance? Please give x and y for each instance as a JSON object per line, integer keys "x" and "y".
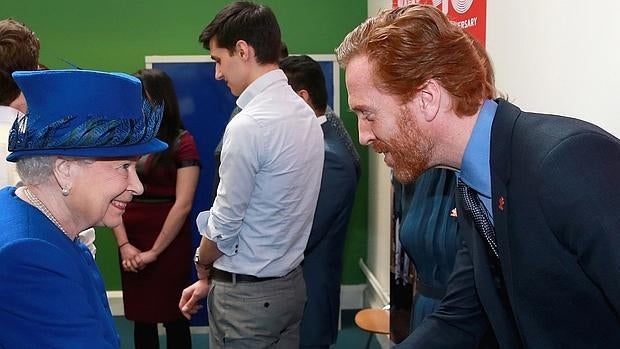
{"x": 41, "y": 207}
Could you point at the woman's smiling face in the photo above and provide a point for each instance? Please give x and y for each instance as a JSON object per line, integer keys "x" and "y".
{"x": 101, "y": 190}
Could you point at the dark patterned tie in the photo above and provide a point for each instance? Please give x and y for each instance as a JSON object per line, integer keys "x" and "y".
{"x": 473, "y": 207}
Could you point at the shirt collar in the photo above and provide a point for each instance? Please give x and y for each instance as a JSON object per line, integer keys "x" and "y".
{"x": 322, "y": 119}
{"x": 259, "y": 85}
{"x": 475, "y": 167}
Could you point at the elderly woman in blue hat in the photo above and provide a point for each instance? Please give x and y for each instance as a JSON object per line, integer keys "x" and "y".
{"x": 75, "y": 151}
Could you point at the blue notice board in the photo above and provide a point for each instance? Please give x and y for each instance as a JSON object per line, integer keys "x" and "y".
{"x": 206, "y": 105}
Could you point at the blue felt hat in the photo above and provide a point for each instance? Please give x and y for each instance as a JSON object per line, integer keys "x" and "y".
{"x": 84, "y": 113}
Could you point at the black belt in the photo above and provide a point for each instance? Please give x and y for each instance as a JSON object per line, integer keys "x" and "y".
{"x": 429, "y": 291}
{"x": 222, "y": 275}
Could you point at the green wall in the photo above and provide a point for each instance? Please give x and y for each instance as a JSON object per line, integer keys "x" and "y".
{"x": 115, "y": 35}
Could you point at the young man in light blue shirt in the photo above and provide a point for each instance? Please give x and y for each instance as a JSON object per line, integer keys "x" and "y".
{"x": 272, "y": 157}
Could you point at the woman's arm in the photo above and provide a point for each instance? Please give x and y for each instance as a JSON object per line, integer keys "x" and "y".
{"x": 187, "y": 181}
{"x": 128, "y": 252}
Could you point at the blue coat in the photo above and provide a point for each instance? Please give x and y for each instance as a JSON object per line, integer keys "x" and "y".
{"x": 322, "y": 265}
{"x": 51, "y": 292}
{"x": 555, "y": 203}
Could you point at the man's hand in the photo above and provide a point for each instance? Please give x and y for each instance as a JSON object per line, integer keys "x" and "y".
{"x": 192, "y": 295}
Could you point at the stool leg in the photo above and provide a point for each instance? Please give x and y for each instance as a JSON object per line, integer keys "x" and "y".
{"x": 369, "y": 341}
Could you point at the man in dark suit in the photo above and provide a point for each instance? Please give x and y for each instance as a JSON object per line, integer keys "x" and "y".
{"x": 322, "y": 265}
{"x": 538, "y": 198}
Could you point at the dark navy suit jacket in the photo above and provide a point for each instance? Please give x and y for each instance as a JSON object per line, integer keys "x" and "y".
{"x": 51, "y": 292}
{"x": 322, "y": 265}
{"x": 556, "y": 201}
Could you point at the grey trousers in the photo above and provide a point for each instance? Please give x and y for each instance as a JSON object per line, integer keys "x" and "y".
{"x": 257, "y": 315}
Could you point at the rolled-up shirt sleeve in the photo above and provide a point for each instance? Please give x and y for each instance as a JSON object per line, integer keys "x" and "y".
{"x": 241, "y": 149}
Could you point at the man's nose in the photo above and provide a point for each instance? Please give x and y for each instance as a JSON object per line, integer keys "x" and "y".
{"x": 365, "y": 132}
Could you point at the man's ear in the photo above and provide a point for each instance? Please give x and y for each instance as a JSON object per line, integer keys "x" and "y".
{"x": 429, "y": 99}
{"x": 304, "y": 95}
{"x": 243, "y": 49}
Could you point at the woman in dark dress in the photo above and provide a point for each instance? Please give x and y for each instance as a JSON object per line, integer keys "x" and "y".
{"x": 155, "y": 239}
{"x": 429, "y": 236}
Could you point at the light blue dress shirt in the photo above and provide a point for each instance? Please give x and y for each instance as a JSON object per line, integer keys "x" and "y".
{"x": 271, "y": 166}
{"x": 476, "y": 166}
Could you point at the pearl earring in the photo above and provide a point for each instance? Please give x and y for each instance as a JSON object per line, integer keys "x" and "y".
{"x": 66, "y": 190}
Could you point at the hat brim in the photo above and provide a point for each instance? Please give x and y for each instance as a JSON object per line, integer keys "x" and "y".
{"x": 153, "y": 146}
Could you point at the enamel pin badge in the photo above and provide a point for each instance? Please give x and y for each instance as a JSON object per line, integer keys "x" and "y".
{"x": 501, "y": 203}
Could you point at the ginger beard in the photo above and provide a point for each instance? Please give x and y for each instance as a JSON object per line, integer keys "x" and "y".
{"x": 408, "y": 150}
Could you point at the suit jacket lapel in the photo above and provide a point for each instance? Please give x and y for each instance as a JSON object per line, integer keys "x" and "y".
{"x": 500, "y": 161}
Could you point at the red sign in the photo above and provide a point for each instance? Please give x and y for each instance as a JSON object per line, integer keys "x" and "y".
{"x": 470, "y": 15}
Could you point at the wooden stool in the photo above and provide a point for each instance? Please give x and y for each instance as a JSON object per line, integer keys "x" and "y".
{"x": 373, "y": 321}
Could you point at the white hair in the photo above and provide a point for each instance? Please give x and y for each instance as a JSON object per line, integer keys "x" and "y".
{"x": 35, "y": 170}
